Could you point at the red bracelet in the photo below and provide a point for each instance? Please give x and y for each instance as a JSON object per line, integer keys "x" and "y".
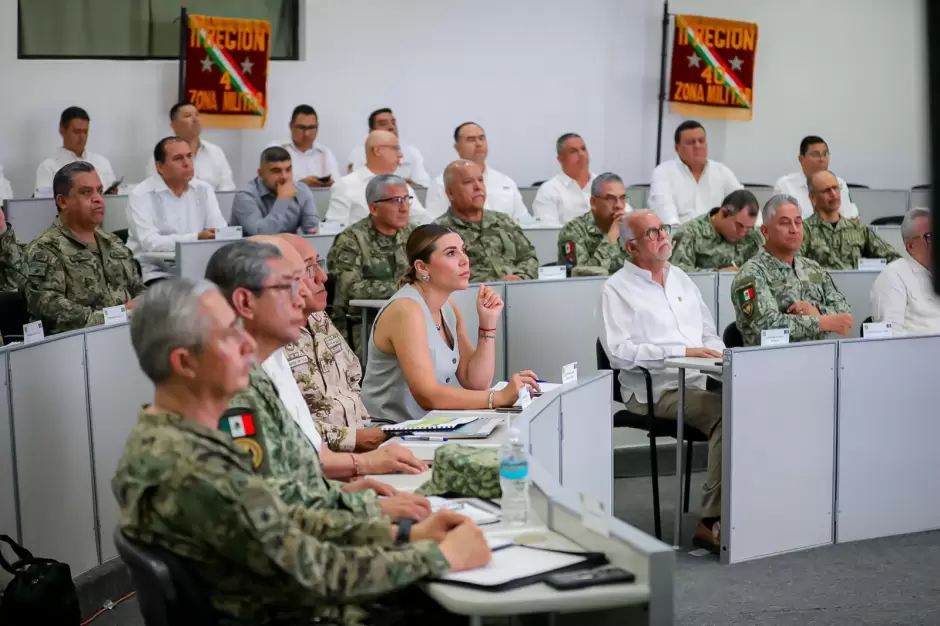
{"x": 487, "y": 330}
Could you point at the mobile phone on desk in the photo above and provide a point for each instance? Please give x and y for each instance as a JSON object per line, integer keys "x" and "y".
{"x": 579, "y": 579}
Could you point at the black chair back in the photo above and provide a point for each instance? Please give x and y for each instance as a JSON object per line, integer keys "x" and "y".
{"x": 167, "y": 592}
{"x": 538, "y": 183}
{"x": 732, "y": 336}
{"x": 920, "y": 187}
{"x": 330, "y": 286}
{"x": 122, "y": 233}
{"x": 856, "y": 186}
{"x": 603, "y": 363}
{"x": 861, "y": 329}
{"x": 13, "y": 315}
{"x": 890, "y": 220}
{"x": 757, "y": 186}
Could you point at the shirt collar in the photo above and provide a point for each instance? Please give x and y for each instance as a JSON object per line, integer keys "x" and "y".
{"x": 160, "y": 185}
{"x": 57, "y": 222}
{"x": 262, "y": 190}
{"x": 685, "y": 167}
{"x": 68, "y": 154}
{"x": 569, "y": 182}
{"x": 643, "y": 274}
{"x": 916, "y": 267}
{"x": 313, "y": 149}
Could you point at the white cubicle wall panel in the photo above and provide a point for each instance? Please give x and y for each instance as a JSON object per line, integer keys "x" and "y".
{"x": 856, "y": 287}
{"x": 29, "y": 217}
{"x": 875, "y": 203}
{"x": 322, "y": 199}
{"x": 53, "y": 456}
{"x": 117, "y": 389}
{"x": 545, "y": 242}
{"x": 778, "y": 449}
{"x": 587, "y": 446}
{"x": 707, "y": 283}
{"x": 192, "y": 257}
{"x": 763, "y": 194}
{"x": 322, "y": 244}
{"x": 637, "y": 197}
{"x": 8, "y": 506}
{"x": 466, "y": 301}
{"x": 528, "y": 196}
{"x": 725, "y": 306}
{"x": 115, "y": 213}
{"x": 544, "y": 438}
{"x": 920, "y": 198}
{"x": 891, "y": 234}
{"x": 226, "y": 199}
{"x": 888, "y": 434}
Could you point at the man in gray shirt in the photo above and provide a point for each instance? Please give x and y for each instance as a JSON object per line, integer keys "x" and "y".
{"x": 273, "y": 203}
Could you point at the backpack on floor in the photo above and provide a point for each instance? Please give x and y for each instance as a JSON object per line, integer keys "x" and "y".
{"x": 41, "y": 592}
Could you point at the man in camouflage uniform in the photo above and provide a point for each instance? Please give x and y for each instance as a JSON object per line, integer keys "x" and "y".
{"x": 325, "y": 368}
{"x": 11, "y": 260}
{"x": 266, "y": 291}
{"x": 74, "y": 269}
{"x": 779, "y": 289}
{"x": 497, "y": 247}
{"x": 593, "y": 239}
{"x": 722, "y": 239}
{"x": 185, "y": 485}
{"x": 368, "y": 258}
{"x": 833, "y": 241}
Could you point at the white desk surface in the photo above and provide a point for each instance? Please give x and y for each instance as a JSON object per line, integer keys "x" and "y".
{"x": 161, "y": 256}
{"x": 539, "y": 597}
{"x": 368, "y": 304}
{"x": 408, "y": 483}
{"x": 710, "y": 366}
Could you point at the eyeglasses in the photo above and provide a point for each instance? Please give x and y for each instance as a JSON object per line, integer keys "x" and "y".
{"x": 306, "y": 129}
{"x": 816, "y": 154}
{"x": 396, "y": 147}
{"x": 399, "y": 200}
{"x": 312, "y": 268}
{"x": 293, "y": 287}
{"x": 656, "y": 234}
{"x": 611, "y": 199}
{"x": 928, "y": 237}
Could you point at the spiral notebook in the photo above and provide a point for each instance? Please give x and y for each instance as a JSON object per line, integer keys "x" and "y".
{"x": 441, "y": 423}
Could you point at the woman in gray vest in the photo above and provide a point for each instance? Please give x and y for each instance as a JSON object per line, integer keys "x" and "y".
{"x": 420, "y": 357}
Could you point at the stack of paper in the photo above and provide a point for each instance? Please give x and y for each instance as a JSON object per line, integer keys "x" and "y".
{"x": 432, "y": 422}
{"x": 475, "y": 512}
{"x": 514, "y": 563}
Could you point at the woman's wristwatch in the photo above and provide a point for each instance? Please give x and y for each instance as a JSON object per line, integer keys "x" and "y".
{"x": 403, "y": 535}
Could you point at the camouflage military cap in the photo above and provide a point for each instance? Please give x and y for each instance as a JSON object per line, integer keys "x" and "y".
{"x": 464, "y": 471}
{"x": 588, "y": 270}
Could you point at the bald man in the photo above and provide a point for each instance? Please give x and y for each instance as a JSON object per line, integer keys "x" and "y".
{"x": 650, "y": 311}
{"x": 348, "y": 200}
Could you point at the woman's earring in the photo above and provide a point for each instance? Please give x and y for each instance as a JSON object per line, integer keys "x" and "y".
{"x": 425, "y": 277}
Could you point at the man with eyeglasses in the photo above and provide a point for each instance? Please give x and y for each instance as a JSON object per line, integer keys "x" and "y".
{"x": 833, "y": 242}
{"x": 496, "y": 246}
{"x": 272, "y": 202}
{"x": 348, "y": 203}
{"x": 592, "y": 240}
{"x": 650, "y": 310}
{"x": 314, "y": 163}
{"x": 779, "y": 289}
{"x": 722, "y": 239}
{"x": 814, "y": 157}
{"x": 368, "y": 258}
{"x": 903, "y": 294}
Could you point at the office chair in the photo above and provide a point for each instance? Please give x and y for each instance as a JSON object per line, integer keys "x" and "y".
{"x": 856, "y": 186}
{"x": 890, "y": 220}
{"x": 757, "y": 186}
{"x": 330, "y": 286}
{"x": 732, "y": 336}
{"x": 538, "y": 183}
{"x": 861, "y": 329}
{"x": 921, "y": 187}
{"x": 122, "y": 233}
{"x": 654, "y": 427}
{"x": 167, "y": 592}
{"x": 13, "y": 315}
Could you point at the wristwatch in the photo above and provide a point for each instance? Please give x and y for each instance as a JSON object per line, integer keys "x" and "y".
{"x": 404, "y": 530}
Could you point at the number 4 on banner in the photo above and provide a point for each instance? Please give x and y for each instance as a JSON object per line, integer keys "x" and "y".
{"x": 718, "y": 77}
{"x": 226, "y": 80}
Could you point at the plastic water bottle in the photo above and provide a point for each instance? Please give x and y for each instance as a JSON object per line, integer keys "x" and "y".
{"x": 514, "y": 479}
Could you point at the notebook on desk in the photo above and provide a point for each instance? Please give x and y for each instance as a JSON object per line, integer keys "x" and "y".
{"x": 431, "y": 422}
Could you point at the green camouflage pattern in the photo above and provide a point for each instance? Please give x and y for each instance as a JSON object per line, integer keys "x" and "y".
{"x": 839, "y": 246}
{"x": 287, "y": 457}
{"x": 464, "y": 471}
{"x": 496, "y": 246}
{"x": 190, "y": 490}
{"x": 588, "y": 270}
{"x": 69, "y": 283}
{"x": 367, "y": 266}
{"x": 12, "y": 262}
{"x": 701, "y": 248}
{"x": 328, "y": 375}
{"x": 591, "y": 248}
{"x": 765, "y": 287}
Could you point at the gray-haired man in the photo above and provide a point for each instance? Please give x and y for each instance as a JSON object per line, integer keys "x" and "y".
{"x": 273, "y": 203}
{"x": 368, "y": 258}
{"x": 185, "y": 484}
{"x": 592, "y": 240}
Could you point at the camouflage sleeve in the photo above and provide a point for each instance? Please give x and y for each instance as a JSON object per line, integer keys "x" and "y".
{"x": 45, "y": 293}
{"x": 835, "y": 301}
{"x": 683, "y": 256}
{"x": 12, "y": 262}
{"x": 337, "y": 438}
{"x": 878, "y": 248}
{"x": 755, "y": 308}
{"x": 607, "y": 255}
{"x": 344, "y": 262}
{"x": 364, "y": 503}
{"x": 526, "y": 263}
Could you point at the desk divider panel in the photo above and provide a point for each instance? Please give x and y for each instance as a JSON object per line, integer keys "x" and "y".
{"x": 545, "y": 242}
{"x": 192, "y": 257}
{"x": 8, "y": 505}
{"x": 637, "y": 197}
{"x": 891, "y": 234}
{"x": 29, "y": 216}
{"x": 544, "y": 437}
{"x": 52, "y": 447}
{"x": 725, "y": 305}
{"x": 322, "y": 244}
{"x": 875, "y": 203}
{"x": 321, "y": 196}
{"x": 888, "y": 434}
{"x": 856, "y": 287}
{"x": 550, "y": 324}
{"x": 226, "y": 199}
{"x": 422, "y": 193}
{"x": 115, "y": 213}
{"x": 117, "y": 388}
{"x": 528, "y": 196}
{"x": 920, "y": 198}
{"x": 587, "y": 446}
{"x": 707, "y": 283}
{"x": 466, "y": 301}
{"x": 779, "y": 420}
{"x": 763, "y": 194}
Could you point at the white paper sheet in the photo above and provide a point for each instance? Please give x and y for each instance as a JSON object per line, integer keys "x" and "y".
{"x": 464, "y": 507}
{"x": 513, "y": 563}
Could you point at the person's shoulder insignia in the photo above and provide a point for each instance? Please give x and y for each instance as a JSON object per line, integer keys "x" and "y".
{"x": 745, "y": 297}
{"x": 253, "y": 448}
{"x": 238, "y": 422}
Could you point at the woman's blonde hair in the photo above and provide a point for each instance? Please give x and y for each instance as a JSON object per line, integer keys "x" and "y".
{"x": 420, "y": 247}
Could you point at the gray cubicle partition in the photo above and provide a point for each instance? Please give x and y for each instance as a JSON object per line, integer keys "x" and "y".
{"x": 725, "y": 306}
{"x": 551, "y": 323}
{"x": 115, "y": 214}
{"x": 637, "y": 197}
{"x": 544, "y": 436}
{"x": 49, "y": 398}
{"x": 321, "y": 196}
{"x": 778, "y": 450}
{"x": 226, "y": 199}
{"x": 891, "y": 234}
{"x": 29, "y": 217}
{"x": 422, "y": 193}
{"x": 322, "y": 244}
{"x": 117, "y": 388}
{"x": 763, "y": 194}
{"x": 466, "y": 301}
{"x": 920, "y": 197}
{"x": 545, "y": 242}
{"x": 875, "y": 203}
{"x": 8, "y": 506}
{"x": 888, "y": 433}
{"x": 192, "y": 257}
{"x": 587, "y": 446}
{"x": 528, "y": 196}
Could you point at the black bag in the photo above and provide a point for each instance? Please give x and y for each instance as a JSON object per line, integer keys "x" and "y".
{"x": 41, "y": 592}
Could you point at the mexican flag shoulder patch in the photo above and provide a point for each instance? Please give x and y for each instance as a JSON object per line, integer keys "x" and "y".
{"x": 237, "y": 423}
{"x": 745, "y": 297}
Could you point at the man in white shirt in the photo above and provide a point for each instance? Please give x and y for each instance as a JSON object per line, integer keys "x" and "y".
{"x": 209, "y": 160}
{"x": 348, "y": 199}
{"x": 168, "y": 207}
{"x": 314, "y": 164}
{"x": 6, "y": 191}
{"x": 692, "y": 184}
{"x": 650, "y": 311}
{"x": 73, "y": 127}
{"x": 411, "y": 166}
{"x": 903, "y": 294}
{"x": 567, "y": 194}
{"x": 814, "y": 157}
{"x": 502, "y": 194}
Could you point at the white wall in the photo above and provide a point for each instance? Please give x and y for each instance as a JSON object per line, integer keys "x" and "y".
{"x": 527, "y": 70}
